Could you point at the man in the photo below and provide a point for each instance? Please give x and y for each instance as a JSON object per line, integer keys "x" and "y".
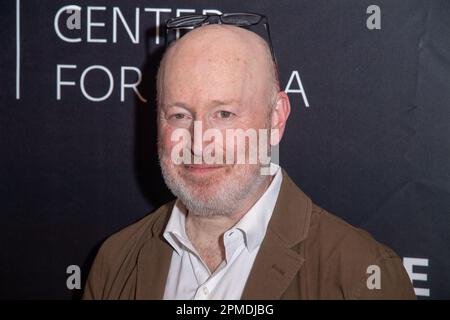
{"x": 233, "y": 232}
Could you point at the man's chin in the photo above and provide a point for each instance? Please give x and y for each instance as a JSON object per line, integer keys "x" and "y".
{"x": 203, "y": 203}
{"x": 201, "y": 192}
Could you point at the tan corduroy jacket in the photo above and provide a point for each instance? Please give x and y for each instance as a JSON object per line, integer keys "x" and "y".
{"x": 307, "y": 253}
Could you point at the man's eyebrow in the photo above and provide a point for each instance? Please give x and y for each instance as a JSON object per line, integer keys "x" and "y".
{"x": 213, "y": 103}
{"x": 177, "y": 104}
{"x": 216, "y": 103}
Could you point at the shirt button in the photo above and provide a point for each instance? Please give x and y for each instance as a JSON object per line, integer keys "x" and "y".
{"x": 205, "y": 291}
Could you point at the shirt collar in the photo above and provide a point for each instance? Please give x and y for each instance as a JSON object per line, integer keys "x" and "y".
{"x": 175, "y": 232}
{"x": 253, "y": 224}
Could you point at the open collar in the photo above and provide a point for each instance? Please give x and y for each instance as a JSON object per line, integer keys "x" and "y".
{"x": 276, "y": 262}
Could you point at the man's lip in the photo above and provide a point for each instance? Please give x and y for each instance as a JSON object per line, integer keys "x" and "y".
{"x": 202, "y": 167}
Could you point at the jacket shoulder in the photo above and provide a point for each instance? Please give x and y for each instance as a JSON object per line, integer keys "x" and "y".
{"x": 350, "y": 256}
{"x": 335, "y": 233}
{"x": 116, "y": 259}
{"x": 137, "y": 233}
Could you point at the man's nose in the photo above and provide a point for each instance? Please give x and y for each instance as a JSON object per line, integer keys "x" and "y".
{"x": 198, "y": 130}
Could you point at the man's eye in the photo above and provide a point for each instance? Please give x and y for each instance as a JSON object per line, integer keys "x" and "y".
{"x": 178, "y": 116}
{"x": 225, "y": 114}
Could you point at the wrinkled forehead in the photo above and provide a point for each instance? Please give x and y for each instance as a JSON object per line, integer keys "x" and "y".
{"x": 216, "y": 60}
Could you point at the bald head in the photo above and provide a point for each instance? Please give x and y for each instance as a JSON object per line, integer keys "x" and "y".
{"x": 214, "y": 56}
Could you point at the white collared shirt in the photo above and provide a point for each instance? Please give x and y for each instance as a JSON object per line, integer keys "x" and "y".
{"x": 189, "y": 277}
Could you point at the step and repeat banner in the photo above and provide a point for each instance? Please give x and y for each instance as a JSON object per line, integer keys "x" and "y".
{"x": 368, "y": 138}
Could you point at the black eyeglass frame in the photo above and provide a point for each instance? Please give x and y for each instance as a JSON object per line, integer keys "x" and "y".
{"x": 193, "y": 21}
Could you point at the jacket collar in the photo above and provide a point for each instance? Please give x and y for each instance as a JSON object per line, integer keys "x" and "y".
{"x": 276, "y": 263}
{"x": 292, "y": 213}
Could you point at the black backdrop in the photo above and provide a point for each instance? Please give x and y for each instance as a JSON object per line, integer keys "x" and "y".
{"x": 368, "y": 138}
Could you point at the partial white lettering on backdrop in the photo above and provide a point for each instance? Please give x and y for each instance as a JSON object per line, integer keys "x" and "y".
{"x": 78, "y": 25}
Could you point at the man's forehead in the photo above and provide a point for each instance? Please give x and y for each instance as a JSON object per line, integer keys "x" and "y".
{"x": 216, "y": 88}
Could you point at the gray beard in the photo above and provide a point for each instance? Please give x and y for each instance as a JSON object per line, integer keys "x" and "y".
{"x": 228, "y": 197}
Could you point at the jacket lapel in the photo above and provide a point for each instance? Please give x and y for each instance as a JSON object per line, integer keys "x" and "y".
{"x": 277, "y": 262}
{"x": 154, "y": 262}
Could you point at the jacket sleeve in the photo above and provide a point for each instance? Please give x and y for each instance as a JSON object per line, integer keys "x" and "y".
{"x": 386, "y": 279}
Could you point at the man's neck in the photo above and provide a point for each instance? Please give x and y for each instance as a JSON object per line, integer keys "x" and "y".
{"x": 206, "y": 232}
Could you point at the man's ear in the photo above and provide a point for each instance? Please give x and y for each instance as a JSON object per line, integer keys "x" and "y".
{"x": 280, "y": 114}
